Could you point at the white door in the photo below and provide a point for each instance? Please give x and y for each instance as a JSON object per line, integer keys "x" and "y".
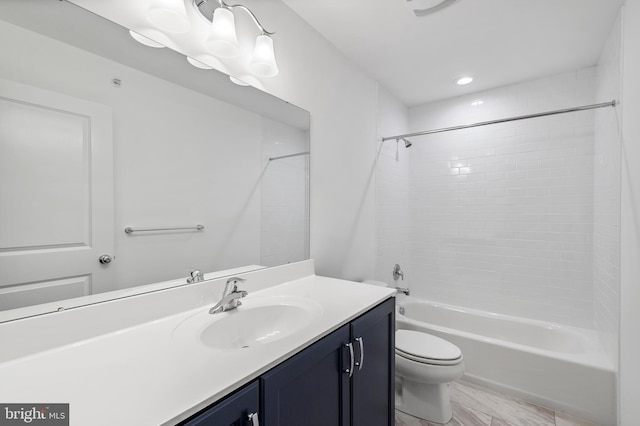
{"x": 56, "y": 196}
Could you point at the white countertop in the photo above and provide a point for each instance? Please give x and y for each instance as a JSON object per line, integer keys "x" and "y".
{"x": 154, "y": 371}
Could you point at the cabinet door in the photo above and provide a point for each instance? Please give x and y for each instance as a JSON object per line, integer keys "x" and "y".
{"x": 232, "y": 411}
{"x": 372, "y": 392}
{"x": 311, "y": 388}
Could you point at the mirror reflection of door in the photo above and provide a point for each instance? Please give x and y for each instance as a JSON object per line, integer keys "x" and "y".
{"x": 56, "y": 187}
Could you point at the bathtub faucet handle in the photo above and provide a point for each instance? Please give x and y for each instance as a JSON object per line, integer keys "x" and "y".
{"x": 397, "y": 272}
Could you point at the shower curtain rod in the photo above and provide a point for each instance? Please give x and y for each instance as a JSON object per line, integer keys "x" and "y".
{"x": 288, "y": 156}
{"x": 504, "y": 120}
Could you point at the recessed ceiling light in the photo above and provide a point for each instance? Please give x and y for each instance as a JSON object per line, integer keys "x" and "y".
{"x": 464, "y": 80}
{"x": 477, "y": 102}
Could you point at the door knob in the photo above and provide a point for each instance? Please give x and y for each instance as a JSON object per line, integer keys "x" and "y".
{"x": 104, "y": 259}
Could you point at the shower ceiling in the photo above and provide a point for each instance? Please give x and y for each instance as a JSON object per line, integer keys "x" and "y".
{"x": 497, "y": 41}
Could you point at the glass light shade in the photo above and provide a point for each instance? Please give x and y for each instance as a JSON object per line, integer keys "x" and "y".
{"x": 263, "y": 63}
{"x": 169, "y": 15}
{"x": 145, "y": 40}
{"x": 196, "y": 63}
{"x": 222, "y": 40}
{"x": 237, "y": 81}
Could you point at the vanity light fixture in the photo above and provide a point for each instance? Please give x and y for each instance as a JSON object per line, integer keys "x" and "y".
{"x": 169, "y": 15}
{"x": 223, "y": 41}
{"x": 145, "y": 40}
{"x": 238, "y": 81}
{"x": 196, "y": 63}
{"x": 263, "y": 62}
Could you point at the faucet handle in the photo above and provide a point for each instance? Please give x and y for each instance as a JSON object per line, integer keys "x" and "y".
{"x": 397, "y": 272}
{"x": 196, "y": 276}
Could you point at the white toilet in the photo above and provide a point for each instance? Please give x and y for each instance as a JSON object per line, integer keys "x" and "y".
{"x": 425, "y": 365}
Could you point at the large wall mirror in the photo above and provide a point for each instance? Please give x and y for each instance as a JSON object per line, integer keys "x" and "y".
{"x": 99, "y": 133}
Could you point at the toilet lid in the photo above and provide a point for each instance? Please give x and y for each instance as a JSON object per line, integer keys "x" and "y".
{"x": 426, "y": 348}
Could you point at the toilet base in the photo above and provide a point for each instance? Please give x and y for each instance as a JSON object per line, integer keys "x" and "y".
{"x": 430, "y": 402}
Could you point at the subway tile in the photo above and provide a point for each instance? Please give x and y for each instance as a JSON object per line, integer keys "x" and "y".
{"x": 522, "y": 193}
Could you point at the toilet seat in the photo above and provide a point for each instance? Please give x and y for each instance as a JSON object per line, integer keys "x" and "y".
{"x": 426, "y": 349}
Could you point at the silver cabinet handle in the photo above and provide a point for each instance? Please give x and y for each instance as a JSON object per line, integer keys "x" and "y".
{"x": 359, "y": 363}
{"x": 253, "y": 419}
{"x": 351, "y": 360}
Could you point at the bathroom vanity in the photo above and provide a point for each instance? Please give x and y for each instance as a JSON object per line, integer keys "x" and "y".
{"x": 301, "y": 349}
{"x": 324, "y": 384}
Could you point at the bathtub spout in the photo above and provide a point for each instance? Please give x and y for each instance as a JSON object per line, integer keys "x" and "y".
{"x": 404, "y": 290}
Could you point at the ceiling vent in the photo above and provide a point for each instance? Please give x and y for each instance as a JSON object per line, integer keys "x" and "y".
{"x": 427, "y": 7}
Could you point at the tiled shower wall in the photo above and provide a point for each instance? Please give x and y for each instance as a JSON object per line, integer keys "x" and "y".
{"x": 502, "y": 215}
{"x": 606, "y": 193}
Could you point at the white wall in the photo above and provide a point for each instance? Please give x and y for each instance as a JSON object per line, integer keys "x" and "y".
{"x": 342, "y": 101}
{"x": 606, "y": 196}
{"x": 630, "y": 220}
{"x": 502, "y": 215}
{"x": 392, "y": 191}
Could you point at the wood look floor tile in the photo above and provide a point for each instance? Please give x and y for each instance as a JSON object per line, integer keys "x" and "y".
{"x": 566, "y": 420}
{"x": 499, "y": 422}
{"x": 508, "y": 409}
{"x": 461, "y": 417}
{"x": 477, "y": 406}
{"x": 464, "y": 416}
{"x": 403, "y": 419}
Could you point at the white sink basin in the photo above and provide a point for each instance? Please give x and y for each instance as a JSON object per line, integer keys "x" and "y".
{"x": 257, "y": 322}
{"x": 246, "y": 328}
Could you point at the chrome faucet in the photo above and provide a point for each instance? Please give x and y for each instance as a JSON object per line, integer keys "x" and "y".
{"x": 404, "y": 290}
{"x": 397, "y": 273}
{"x": 196, "y": 276}
{"x": 230, "y": 299}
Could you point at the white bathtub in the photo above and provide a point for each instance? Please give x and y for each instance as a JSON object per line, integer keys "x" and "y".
{"x": 559, "y": 367}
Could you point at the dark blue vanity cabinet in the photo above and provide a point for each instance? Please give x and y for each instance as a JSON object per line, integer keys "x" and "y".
{"x": 373, "y": 382}
{"x": 344, "y": 379}
{"x": 236, "y": 409}
{"x": 312, "y": 388}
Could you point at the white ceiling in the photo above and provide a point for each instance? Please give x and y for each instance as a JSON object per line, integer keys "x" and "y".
{"x": 497, "y": 41}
